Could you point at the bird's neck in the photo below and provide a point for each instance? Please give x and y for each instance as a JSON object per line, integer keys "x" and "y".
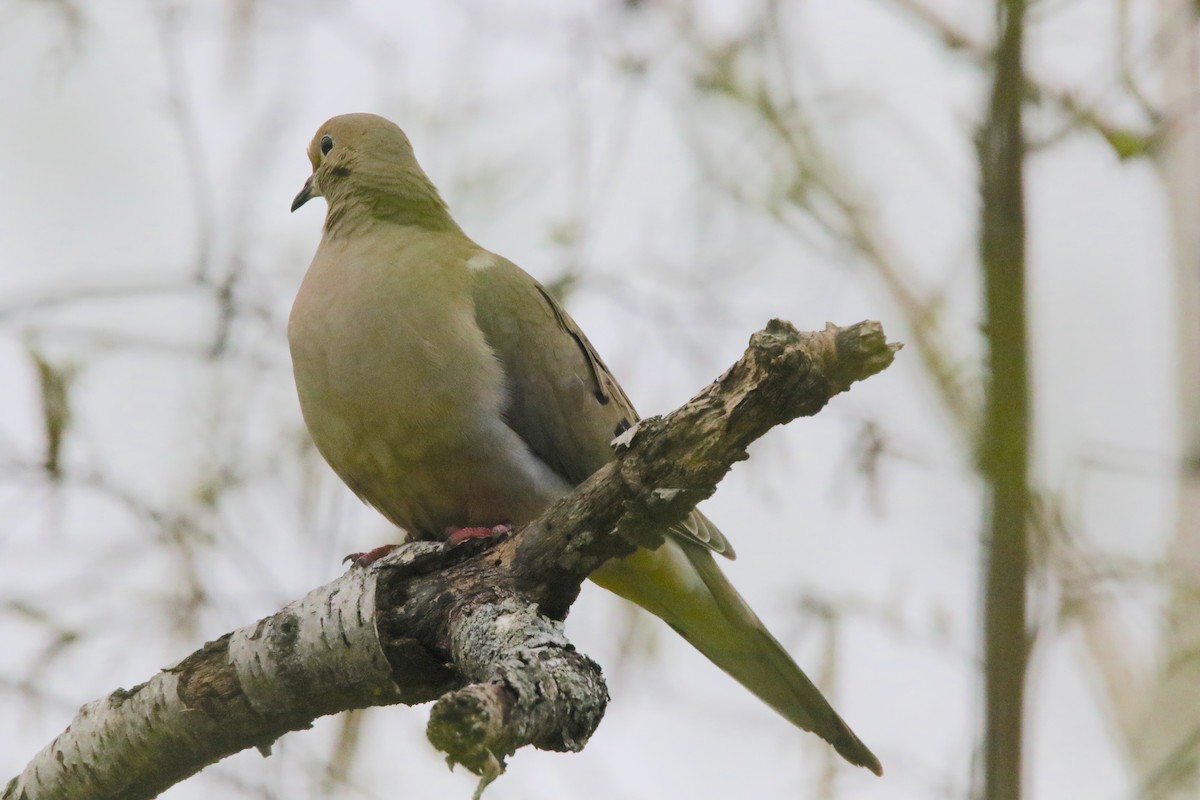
{"x": 403, "y": 199}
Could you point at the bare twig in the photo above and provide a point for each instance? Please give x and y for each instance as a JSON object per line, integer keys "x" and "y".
{"x": 1126, "y": 140}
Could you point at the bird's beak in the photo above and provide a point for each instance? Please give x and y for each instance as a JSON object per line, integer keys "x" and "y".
{"x": 306, "y": 194}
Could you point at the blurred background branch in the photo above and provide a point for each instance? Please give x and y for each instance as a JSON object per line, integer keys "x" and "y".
{"x": 1005, "y": 453}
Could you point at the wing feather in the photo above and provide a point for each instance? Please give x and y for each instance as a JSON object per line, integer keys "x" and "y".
{"x": 563, "y": 401}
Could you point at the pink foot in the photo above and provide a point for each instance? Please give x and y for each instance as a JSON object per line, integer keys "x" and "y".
{"x": 460, "y": 535}
{"x": 371, "y": 556}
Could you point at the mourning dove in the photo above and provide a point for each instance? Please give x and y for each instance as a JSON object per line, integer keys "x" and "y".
{"x": 450, "y": 390}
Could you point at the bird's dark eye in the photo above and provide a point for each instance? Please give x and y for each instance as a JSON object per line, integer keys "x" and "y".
{"x": 326, "y": 144}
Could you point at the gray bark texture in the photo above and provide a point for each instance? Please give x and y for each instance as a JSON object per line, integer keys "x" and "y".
{"x": 476, "y": 627}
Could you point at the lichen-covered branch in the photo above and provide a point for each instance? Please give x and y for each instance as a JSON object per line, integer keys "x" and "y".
{"x": 531, "y": 687}
{"x": 476, "y": 624}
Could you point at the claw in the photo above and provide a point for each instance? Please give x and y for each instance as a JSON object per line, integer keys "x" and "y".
{"x": 371, "y": 556}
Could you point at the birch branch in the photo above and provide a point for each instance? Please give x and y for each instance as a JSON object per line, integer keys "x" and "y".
{"x": 477, "y": 625}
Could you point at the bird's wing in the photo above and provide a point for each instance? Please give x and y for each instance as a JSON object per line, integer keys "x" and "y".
{"x": 567, "y": 407}
{"x": 562, "y": 399}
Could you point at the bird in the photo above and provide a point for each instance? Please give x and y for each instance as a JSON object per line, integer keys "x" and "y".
{"x": 453, "y": 393}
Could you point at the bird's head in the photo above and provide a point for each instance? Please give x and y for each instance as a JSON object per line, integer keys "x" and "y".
{"x": 365, "y": 160}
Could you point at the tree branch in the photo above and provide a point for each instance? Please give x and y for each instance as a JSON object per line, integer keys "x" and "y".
{"x": 1128, "y": 141}
{"x": 481, "y": 620}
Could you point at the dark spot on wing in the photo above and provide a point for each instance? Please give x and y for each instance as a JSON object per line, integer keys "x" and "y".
{"x": 599, "y": 391}
{"x": 622, "y": 426}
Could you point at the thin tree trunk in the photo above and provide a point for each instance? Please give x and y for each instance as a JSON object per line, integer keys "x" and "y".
{"x": 1005, "y": 448}
{"x": 1165, "y": 741}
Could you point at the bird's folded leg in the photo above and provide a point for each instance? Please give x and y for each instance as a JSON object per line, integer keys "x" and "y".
{"x": 460, "y": 535}
{"x": 371, "y": 556}
{"x": 455, "y": 536}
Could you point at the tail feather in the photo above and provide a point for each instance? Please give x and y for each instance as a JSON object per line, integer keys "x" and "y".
{"x": 682, "y": 584}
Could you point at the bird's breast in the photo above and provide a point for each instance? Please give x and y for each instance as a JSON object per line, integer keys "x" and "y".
{"x": 391, "y": 369}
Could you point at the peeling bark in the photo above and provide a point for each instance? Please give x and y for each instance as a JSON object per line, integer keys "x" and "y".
{"x": 478, "y": 624}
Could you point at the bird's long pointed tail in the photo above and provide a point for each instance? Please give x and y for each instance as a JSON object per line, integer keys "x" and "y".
{"x": 682, "y": 584}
